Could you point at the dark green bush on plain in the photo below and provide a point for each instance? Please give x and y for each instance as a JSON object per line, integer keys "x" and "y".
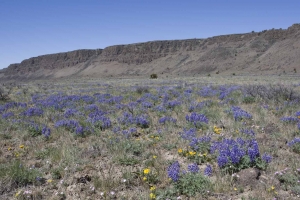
{"x": 288, "y": 180}
{"x": 141, "y": 90}
{"x": 296, "y": 190}
{"x": 192, "y": 183}
{"x": 153, "y": 76}
{"x": 55, "y": 173}
{"x": 248, "y": 100}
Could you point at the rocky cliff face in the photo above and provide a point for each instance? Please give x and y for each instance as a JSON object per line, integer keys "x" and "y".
{"x": 147, "y": 52}
{"x": 269, "y": 51}
{"x": 53, "y": 61}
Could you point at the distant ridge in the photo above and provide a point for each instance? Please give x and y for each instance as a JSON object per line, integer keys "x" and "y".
{"x": 274, "y": 51}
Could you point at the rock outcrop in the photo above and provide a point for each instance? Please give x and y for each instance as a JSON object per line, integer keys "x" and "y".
{"x": 272, "y": 51}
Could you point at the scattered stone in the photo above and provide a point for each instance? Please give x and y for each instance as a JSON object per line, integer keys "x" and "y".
{"x": 84, "y": 179}
{"x": 248, "y": 177}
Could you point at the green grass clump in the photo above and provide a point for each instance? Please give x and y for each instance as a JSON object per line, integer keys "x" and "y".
{"x": 17, "y": 175}
{"x": 192, "y": 183}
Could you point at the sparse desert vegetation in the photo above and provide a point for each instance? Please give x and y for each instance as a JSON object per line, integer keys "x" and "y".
{"x": 216, "y": 137}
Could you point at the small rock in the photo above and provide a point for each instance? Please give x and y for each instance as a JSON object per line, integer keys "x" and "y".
{"x": 248, "y": 177}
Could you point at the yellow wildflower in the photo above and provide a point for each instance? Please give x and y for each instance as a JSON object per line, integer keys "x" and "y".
{"x": 17, "y": 154}
{"x": 205, "y": 154}
{"x": 49, "y": 181}
{"x": 272, "y": 188}
{"x": 157, "y": 138}
{"x": 152, "y": 188}
{"x": 144, "y": 178}
{"x": 235, "y": 189}
{"x": 9, "y": 148}
{"x": 21, "y": 146}
{"x": 179, "y": 150}
{"x": 18, "y": 193}
{"x": 217, "y": 130}
{"x": 192, "y": 153}
{"x": 154, "y": 156}
{"x": 146, "y": 171}
{"x": 152, "y": 196}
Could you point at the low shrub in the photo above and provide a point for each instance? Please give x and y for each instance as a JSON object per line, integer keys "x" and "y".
{"x": 153, "y": 76}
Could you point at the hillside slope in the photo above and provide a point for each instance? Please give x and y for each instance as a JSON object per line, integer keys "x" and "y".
{"x": 272, "y": 51}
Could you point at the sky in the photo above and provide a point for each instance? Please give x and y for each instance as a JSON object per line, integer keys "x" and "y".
{"x": 30, "y": 28}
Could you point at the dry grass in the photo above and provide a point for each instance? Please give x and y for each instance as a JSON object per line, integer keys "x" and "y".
{"x": 106, "y": 164}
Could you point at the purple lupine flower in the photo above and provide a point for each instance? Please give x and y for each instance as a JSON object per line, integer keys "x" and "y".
{"x": 191, "y": 108}
{"x": 289, "y": 119}
{"x": 208, "y": 170}
{"x": 294, "y": 141}
{"x": 193, "y": 168}
{"x": 196, "y": 118}
{"x": 232, "y": 151}
{"x": 142, "y": 121}
{"x": 70, "y": 112}
{"x": 165, "y": 119}
{"x": 116, "y": 129}
{"x": 203, "y": 104}
{"x": 98, "y": 118}
{"x": 227, "y": 90}
{"x": 71, "y": 124}
{"x": 253, "y": 150}
{"x": 266, "y": 157}
{"x": 126, "y": 133}
{"x": 265, "y": 106}
{"x": 196, "y": 142}
{"x": 222, "y": 160}
{"x": 126, "y": 119}
{"x": 207, "y": 91}
{"x": 87, "y": 99}
{"x": 297, "y": 114}
{"x": 188, "y": 134}
{"x": 132, "y": 130}
{"x": 236, "y": 154}
{"x": 91, "y": 107}
{"x": 172, "y": 104}
{"x": 7, "y": 115}
{"x": 238, "y": 113}
{"x": 147, "y": 104}
{"x": 79, "y": 130}
{"x": 214, "y": 147}
{"x": 46, "y": 131}
{"x": 188, "y": 91}
{"x": 132, "y": 105}
{"x": 173, "y": 171}
{"x": 34, "y": 111}
{"x": 248, "y": 131}
{"x": 161, "y": 108}
{"x": 240, "y": 141}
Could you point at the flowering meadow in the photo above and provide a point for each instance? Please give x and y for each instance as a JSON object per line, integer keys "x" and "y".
{"x": 184, "y": 138}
